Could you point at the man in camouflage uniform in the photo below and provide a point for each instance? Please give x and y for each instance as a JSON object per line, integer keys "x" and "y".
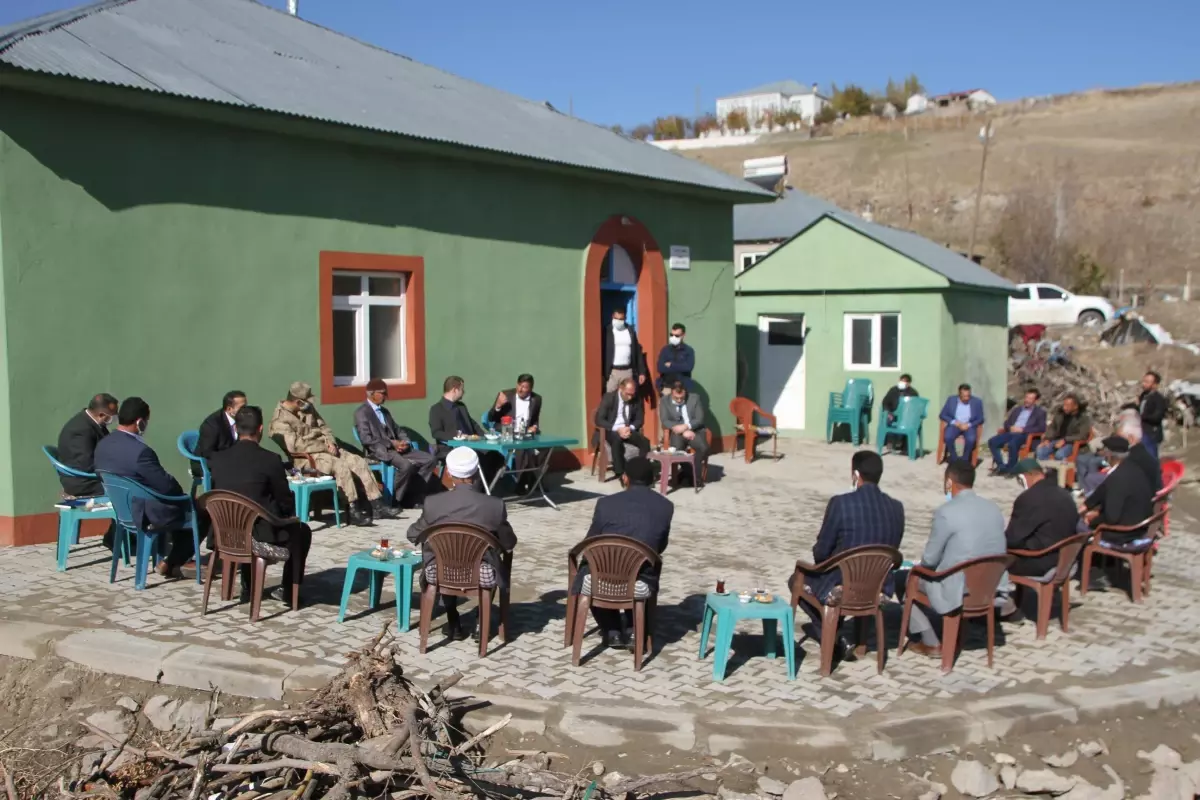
{"x": 310, "y": 442}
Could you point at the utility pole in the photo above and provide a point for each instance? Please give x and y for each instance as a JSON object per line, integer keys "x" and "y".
{"x": 985, "y": 133}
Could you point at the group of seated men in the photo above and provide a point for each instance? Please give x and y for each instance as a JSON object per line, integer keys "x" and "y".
{"x": 621, "y": 416}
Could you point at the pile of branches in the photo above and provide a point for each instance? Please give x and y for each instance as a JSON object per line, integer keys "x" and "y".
{"x": 1056, "y": 374}
{"x": 368, "y": 733}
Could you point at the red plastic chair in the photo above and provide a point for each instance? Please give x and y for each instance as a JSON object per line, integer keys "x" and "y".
{"x": 1172, "y": 474}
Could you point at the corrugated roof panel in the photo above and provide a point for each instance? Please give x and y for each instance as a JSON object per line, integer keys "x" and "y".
{"x": 244, "y": 53}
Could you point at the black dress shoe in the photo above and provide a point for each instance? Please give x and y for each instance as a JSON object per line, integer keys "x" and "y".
{"x": 359, "y": 517}
{"x": 452, "y": 630}
{"x": 381, "y": 510}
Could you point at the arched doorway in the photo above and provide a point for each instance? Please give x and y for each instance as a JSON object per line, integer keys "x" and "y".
{"x": 646, "y": 260}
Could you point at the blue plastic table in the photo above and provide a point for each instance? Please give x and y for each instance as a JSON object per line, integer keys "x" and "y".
{"x": 69, "y": 517}
{"x": 728, "y": 610}
{"x": 538, "y": 442}
{"x": 302, "y": 490}
{"x": 401, "y": 570}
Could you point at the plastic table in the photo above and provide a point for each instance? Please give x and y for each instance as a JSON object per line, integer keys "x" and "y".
{"x": 667, "y": 460}
{"x": 728, "y": 610}
{"x": 401, "y": 570}
{"x": 302, "y": 490}
{"x": 538, "y": 442}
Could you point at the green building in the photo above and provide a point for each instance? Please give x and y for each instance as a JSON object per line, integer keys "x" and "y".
{"x": 204, "y": 196}
{"x": 824, "y": 295}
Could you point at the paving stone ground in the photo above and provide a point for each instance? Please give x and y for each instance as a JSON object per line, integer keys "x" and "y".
{"x": 750, "y": 523}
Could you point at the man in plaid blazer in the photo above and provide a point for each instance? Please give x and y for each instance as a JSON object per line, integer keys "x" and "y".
{"x": 865, "y": 516}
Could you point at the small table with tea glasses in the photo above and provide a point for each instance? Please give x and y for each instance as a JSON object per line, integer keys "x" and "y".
{"x": 669, "y": 459}
{"x": 401, "y": 570}
{"x": 542, "y": 445}
{"x": 729, "y": 609}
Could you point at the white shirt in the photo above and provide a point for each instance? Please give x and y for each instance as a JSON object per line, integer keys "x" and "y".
{"x": 522, "y": 409}
{"x": 622, "y": 349}
{"x": 232, "y": 427}
{"x": 622, "y": 415}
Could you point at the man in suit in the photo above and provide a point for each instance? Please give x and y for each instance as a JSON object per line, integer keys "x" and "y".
{"x": 466, "y": 504}
{"x": 891, "y": 404}
{"x": 1126, "y": 497}
{"x": 640, "y": 513}
{"x": 1042, "y": 516}
{"x": 1089, "y": 466}
{"x": 77, "y": 445}
{"x": 127, "y": 455}
{"x": 1071, "y": 424}
{"x": 1153, "y": 408}
{"x": 623, "y": 356}
{"x": 676, "y": 360}
{"x": 524, "y": 406}
{"x": 966, "y": 527}
{"x": 865, "y": 516}
{"x": 259, "y": 475}
{"x": 449, "y": 416}
{"x": 1023, "y": 420}
{"x": 963, "y": 414}
{"x": 683, "y": 415}
{"x": 383, "y": 440}
{"x": 620, "y": 416}
{"x": 218, "y": 431}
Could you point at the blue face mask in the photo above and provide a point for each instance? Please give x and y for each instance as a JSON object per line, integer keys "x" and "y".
{"x": 949, "y": 496}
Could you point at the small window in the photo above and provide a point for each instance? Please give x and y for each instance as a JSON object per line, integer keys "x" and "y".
{"x": 786, "y": 331}
{"x": 872, "y": 341}
{"x": 1049, "y": 293}
{"x": 750, "y": 259}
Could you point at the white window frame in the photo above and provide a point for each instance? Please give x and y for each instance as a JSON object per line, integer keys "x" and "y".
{"x": 361, "y": 304}
{"x": 748, "y": 260}
{"x": 876, "y": 320}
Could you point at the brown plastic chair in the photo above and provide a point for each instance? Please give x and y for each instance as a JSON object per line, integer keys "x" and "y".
{"x": 233, "y": 518}
{"x": 458, "y": 551}
{"x": 982, "y": 576}
{"x": 744, "y": 411}
{"x": 941, "y": 451}
{"x": 599, "y": 449}
{"x": 1140, "y": 561}
{"x": 1068, "y": 551}
{"x": 1069, "y": 475}
{"x": 864, "y": 571}
{"x": 1027, "y": 448}
{"x": 614, "y": 562}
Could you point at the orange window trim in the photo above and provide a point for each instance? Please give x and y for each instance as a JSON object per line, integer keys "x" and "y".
{"x": 414, "y": 297}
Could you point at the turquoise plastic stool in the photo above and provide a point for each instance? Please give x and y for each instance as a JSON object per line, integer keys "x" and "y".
{"x": 69, "y": 518}
{"x": 401, "y": 570}
{"x": 302, "y": 491}
{"x": 728, "y": 610}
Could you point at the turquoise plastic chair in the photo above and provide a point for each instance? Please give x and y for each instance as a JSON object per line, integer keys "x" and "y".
{"x": 910, "y": 414}
{"x": 69, "y": 518}
{"x": 387, "y": 473}
{"x": 187, "y": 447}
{"x": 851, "y": 407}
{"x": 123, "y": 491}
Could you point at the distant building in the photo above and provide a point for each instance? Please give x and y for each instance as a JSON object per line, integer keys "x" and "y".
{"x": 974, "y": 99}
{"x": 778, "y": 96}
{"x": 917, "y": 104}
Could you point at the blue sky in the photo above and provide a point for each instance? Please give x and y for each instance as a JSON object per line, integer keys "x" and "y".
{"x": 620, "y": 61}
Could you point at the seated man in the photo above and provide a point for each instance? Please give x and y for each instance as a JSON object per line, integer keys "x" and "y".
{"x": 383, "y": 440}
{"x": 305, "y": 435}
{"x": 449, "y": 417}
{"x": 963, "y": 414}
{"x": 891, "y": 404}
{"x": 465, "y": 503}
{"x": 620, "y": 416}
{"x": 863, "y": 517}
{"x": 77, "y": 449}
{"x": 259, "y": 475}
{"x": 126, "y": 454}
{"x": 1042, "y": 516}
{"x": 682, "y": 414}
{"x": 1023, "y": 420}
{"x": 966, "y": 527}
{"x": 1125, "y": 498}
{"x": 1071, "y": 424}
{"x": 676, "y": 360}
{"x": 524, "y": 405}
{"x": 640, "y": 513}
{"x": 1090, "y": 466}
{"x": 218, "y": 431}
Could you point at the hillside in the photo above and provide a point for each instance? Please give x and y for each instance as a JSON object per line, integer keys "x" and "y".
{"x": 1120, "y": 171}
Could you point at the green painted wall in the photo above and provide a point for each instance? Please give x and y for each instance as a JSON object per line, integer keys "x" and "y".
{"x": 6, "y": 475}
{"x": 946, "y": 335}
{"x": 176, "y": 259}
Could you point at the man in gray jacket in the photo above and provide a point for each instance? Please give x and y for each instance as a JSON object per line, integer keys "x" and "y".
{"x": 966, "y": 527}
{"x": 682, "y": 414}
{"x": 383, "y": 440}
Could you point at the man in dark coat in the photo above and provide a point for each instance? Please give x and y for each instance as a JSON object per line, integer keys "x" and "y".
{"x": 1042, "y": 516}
{"x": 621, "y": 416}
{"x": 1023, "y": 420}
{"x": 623, "y": 355}
{"x": 891, "y": 404}
{"x": 218, "y": 431}
{"x": 524, "y": 406}
{"x": 1153, "y": 408}
{"x": 384, "y": 441}
{"x": 640, "y": 513}
{"x": 77, "y": 445}
{"x": 865, "y": 516}
{"x": 676, "y": 360}
{"x": 259, "y": 475}
{"x": 1126, "y": 496}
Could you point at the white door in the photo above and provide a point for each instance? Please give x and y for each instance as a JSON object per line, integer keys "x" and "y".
{"x": 781, "y": 368}
{"x": 1052, "y": 302}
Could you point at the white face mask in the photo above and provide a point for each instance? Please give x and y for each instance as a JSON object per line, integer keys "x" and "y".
{"x": 676, "y": 340}
{"x": 949, "y": 494}
{"x": 1021, "y": 480}
{"x": 902, "y": 385}
{"x": 618, "y": 324}
{"x": 854, "y": 481}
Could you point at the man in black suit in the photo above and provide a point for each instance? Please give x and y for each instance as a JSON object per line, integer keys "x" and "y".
{"x": 126, "y": 454}
{"x": 467, "y": 504}
{"x": 1124, "y": 498}
{"x": 77, "y": 445}
{"x": 449, "y": 416}
{"x": 259, "y": 475}
{"x": 640, "y": 513}
{"x": 1042, "y": 516}
{"x": 524, "y": 405}
{"x": 218, "y": 431}
{"x": 1153, "y": 408}
{"x": 383, "y": 440}
{"x": 865, "y": 516}
{"x": 620, "y": 416}
{"x": 623, "y": 356}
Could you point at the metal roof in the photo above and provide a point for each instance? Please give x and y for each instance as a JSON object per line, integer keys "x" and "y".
{"x": 242, "y": 53}
{"x": 796, "y": 212}
{"x": 788, "y": 87}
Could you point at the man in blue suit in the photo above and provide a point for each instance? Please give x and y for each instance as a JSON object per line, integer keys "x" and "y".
{"x": 1023, "y": 420}
{"x": 963, "y": 414}
{"x": 865, "y": 516}
{"x": 126, "y": 454}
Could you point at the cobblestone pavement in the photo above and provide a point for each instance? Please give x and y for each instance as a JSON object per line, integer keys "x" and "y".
{"x": 751, "y": 521}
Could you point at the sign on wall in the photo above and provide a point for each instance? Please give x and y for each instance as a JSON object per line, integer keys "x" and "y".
{"x": 681, "y": 257}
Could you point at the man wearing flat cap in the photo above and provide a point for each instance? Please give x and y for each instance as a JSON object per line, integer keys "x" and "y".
{"x": 310, "y": 442}
{"x": 1124, "y": 498}
{"x": 383, "y": 440}
{"x": 466, "y": 504}
{"x": 1042, "y": 516}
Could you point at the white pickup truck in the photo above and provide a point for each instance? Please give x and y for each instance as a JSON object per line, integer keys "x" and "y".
{"x": 1047, "y": 304}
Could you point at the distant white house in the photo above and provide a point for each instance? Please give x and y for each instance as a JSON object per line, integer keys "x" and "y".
{"x": 778, "y": 96}
{"x": 974, "y": 99}
{"x": 917, "y": 104}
